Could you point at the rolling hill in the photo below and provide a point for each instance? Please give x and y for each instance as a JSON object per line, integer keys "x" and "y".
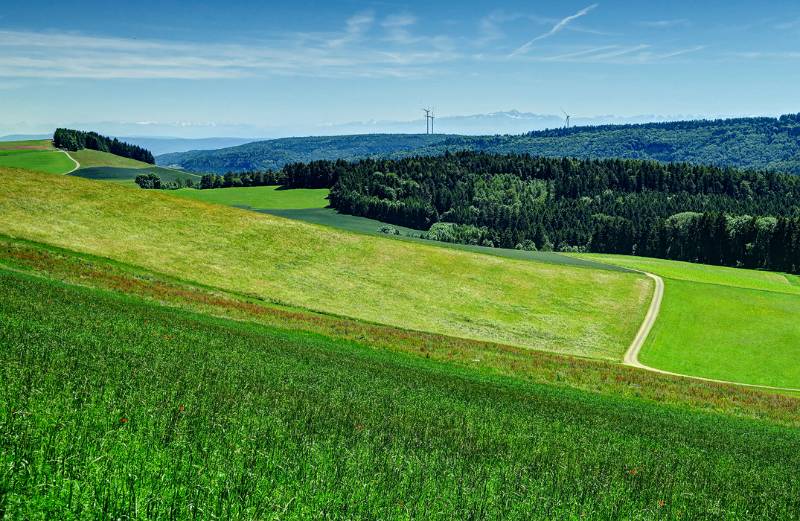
{"x": 36, "y": 155}
{"x": 243, "y": 364}
{"x": 757, "y": 143}
{"x": 103, "y": 166}
{"x": 420, "y": 287}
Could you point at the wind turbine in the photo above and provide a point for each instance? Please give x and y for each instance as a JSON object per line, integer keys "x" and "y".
{"x": 432, "y": 118}
{"x": 427, "y": 120}
{"x": 566, "y": 118}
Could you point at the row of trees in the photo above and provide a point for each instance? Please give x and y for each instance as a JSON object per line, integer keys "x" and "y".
{"x": 231, "y": 179}
{"x": 677, "y": 211}
{"x": 74, "y": 140}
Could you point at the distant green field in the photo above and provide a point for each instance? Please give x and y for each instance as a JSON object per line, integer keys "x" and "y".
{"x": 102, "y": 166}
{"x": 723, "y": 323}
{"x": 309, "y": 206}
{"x": 415, "y": 286}
{"x": 123, "y": 409}
{"x": 90, "y": 158}
{"x": 260, "y": 197}
{"x": 739, "y": 278}
{"x": 38, "y": 156}
{"x": 363, "y": 225}
{"x": 40, "y": 144}
{"x": 127, "y": 176}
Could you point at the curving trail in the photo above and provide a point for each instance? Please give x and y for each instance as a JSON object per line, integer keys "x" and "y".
{"x": 77, "y": 165}
{"x": 632, "y": 354}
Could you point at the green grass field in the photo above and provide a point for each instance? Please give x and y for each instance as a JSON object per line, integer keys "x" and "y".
{"x": 93, "y": 158}
{"x": 127, "y": 176}
{"x": 118, "y": 408}
{"x": 102, "y": 166}
{"x": 598, "y": 376}
{"x": 309, "y": 205}
{"x": 38, "y": 156}
{"x": 420, "y": 287}
{"x": 723, "y": 323}
{"x": 260, "y": 197}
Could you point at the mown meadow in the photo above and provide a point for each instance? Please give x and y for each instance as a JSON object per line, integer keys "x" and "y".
{"x": 36, "y": 155}
{"x": 724, "y": 323}
{"x": 260, "y": 197}
{"x": 114, "y": 407}
{"x": 552, "y": 307}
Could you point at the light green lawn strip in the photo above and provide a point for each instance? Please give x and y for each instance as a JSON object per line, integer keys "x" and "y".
{"x": 89, "y": 158}
{"x": 544, "y": 306}
{"x": 46, "y": 161}
{"x": 723, "y": 323}
{"x": 260, "y": 197}
{"x": 41, "y": 144}
{"x": 736, "y": 277}
{"x": 726, "y": 333}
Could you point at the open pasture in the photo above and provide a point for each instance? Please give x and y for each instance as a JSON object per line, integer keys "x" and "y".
{"x": 722, "y": 323}
{"x": 236, "y": 419}
{"x": 415, "y": 286}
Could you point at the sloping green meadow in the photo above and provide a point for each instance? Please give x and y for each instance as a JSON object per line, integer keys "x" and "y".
{"x": 723, "y": 323}
{"x": 116, "y": 408}
{"x": 260, "y": 197}
{"x": 543, "y": 306}
{"x": 37, "y": 155}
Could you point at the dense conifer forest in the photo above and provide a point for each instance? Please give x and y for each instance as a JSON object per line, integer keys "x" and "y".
{"x": 74, "y": 140}
{"x": 677, "y": 211}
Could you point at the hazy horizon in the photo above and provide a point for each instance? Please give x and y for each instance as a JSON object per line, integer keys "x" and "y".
{"x": 299, "y": 69}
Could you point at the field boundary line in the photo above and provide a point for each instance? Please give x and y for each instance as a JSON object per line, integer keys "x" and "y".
{"x": 632, "y": 354}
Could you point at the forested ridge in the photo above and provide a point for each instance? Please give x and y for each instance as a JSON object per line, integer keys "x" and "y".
{"x": 678, "y": 211}
{"x": 756, "y": 143}
{"x": 74, "y": 140}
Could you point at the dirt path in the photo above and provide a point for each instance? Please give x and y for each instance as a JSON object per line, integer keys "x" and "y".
{"x": 77, "y": 165}
{"x": 632, "y": 354}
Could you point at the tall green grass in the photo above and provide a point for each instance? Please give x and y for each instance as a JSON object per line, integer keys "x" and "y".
{"x": 114, "y": 408}
{"x": 597, "y": 376}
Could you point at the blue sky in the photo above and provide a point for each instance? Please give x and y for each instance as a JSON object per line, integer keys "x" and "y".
{"x": 240, "y": 67}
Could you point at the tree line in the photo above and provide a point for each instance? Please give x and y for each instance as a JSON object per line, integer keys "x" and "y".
{"x": 74, "y": 140}
{"x": 677, "y": 211}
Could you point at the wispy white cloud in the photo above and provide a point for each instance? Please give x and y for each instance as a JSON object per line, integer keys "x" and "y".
{"x": 397, "y": 29}
{"x": 352, "y": 51}
{"x": 664, "y": 24}
{"x": 768, "y": 55}
{"x": 617, "y": 54}
{"x": 558, "y": 27}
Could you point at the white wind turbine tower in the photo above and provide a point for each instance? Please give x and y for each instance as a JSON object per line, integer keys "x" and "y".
{"x": 427, "y": 120}
{"x": 566, "y": 118}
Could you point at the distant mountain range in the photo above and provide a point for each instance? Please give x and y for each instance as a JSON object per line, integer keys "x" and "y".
{"x": 156, "y": 145}
{"x": 757, "y": 143}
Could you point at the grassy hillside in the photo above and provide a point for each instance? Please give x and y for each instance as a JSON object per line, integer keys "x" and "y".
{"x": 260, "y": 197}
{"x": 308, "y": 205}
{"x": 543, "y": 306}
{"x": 93, "y": 158}
{"x": 36, "y": 155}
{"x": 760, "y": 143}
{"x": 126, "y": 409}
{"x": 103, "y": 166}
{"x": 723, "y": 323}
